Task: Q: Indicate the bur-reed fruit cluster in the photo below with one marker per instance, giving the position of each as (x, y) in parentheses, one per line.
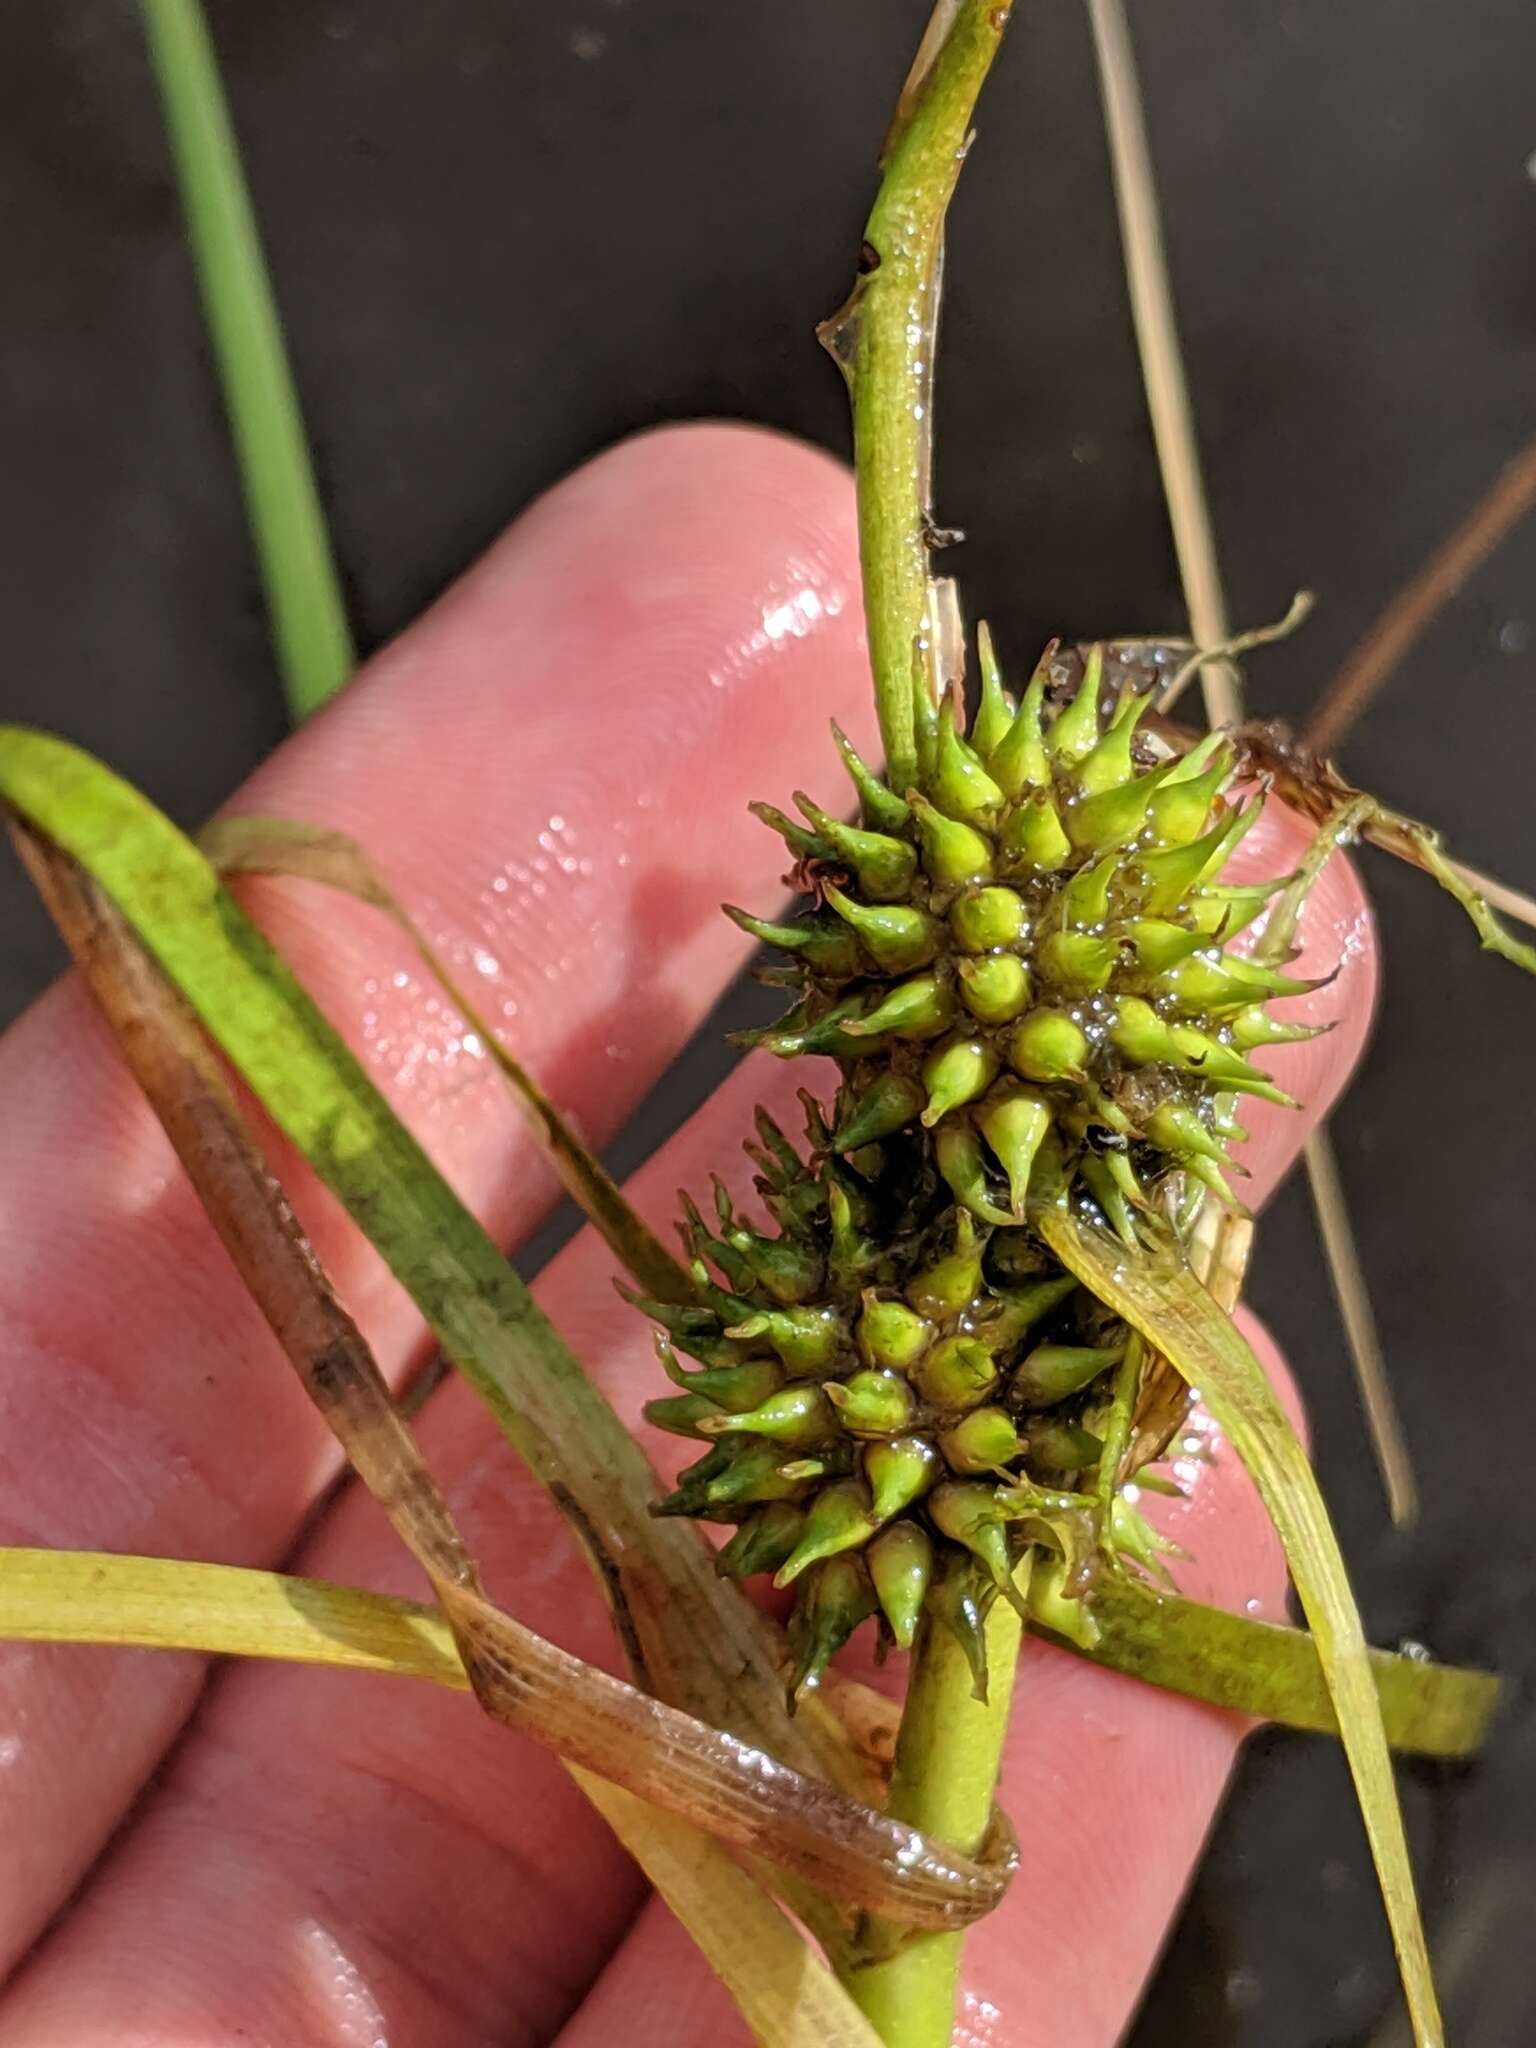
(1023, 968)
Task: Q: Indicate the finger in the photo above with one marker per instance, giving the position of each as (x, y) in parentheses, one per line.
(286, 1774)
(552, 768)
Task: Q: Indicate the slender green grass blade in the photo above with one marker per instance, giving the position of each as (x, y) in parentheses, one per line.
(309, 621)
(279, 846)
(1162, 1299)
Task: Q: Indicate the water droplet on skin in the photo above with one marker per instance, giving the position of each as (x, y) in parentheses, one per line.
(10, 1751)
(978, 2023)
(343, 1993)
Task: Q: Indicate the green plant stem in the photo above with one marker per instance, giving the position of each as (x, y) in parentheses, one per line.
(883, 339)
(309, 621)
(948, 1756)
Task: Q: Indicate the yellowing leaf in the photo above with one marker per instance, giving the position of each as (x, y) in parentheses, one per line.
(1162, 1299)
(786, 1993)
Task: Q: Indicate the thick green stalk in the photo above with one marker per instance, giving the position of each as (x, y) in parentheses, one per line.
(309, 621)
(947, 1760)
(884, 341)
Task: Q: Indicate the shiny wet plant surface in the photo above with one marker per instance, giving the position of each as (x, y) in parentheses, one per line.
(1359, 324)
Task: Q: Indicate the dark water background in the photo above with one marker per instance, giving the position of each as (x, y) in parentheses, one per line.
(505, 235)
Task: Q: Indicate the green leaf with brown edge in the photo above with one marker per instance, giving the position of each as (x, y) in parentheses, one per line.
(312, 853)
(705, 1648)
(1160, 1297)
(1273, 1672)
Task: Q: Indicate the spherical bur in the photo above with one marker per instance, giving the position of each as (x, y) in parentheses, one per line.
(952, 852)
(949, 1285)
(958, 1072)
(958, 784)
(1074, 732)
(985, 918)
(958, 1155)
(835, 1597)
(762, 1541)
(996, 988)
(900, 1471)
(900, 1563)
(1014, 1121)
(897, 937)
(1054, 1372)
(884, 865)
(916, 1009)
(956, 1373)
(1076, 963)
(892, 1336)
(1048, 1045)
(983, 1441)
(873, 1403)
(889, 1103)
(838, 1519)
(798, 1416)
(1034, 837)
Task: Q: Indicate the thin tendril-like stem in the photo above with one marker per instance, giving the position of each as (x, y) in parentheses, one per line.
(1513, 902)
(1412, 610)
(1157, 335)
(1359, 1318)
(303, 593)
(883, 340)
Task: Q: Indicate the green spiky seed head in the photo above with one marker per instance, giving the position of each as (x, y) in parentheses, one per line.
(1020, 966)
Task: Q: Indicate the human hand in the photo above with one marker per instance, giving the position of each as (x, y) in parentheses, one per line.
(552, 768)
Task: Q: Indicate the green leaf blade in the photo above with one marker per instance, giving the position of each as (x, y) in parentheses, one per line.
(303, 592)
(1164, 1301)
